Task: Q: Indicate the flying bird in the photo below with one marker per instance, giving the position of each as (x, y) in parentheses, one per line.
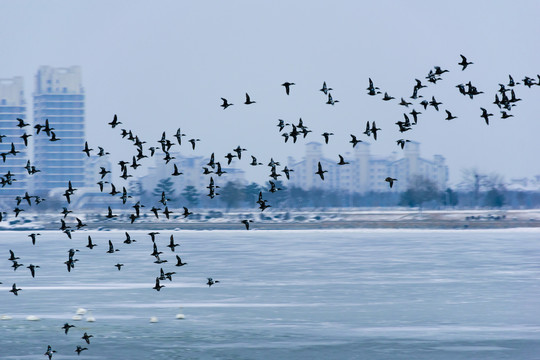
(287, 86)
(246, 223)
(450, 116)
(485, 115)
(225, 104)
(342, 161)
(320, 171)
(464, 63)
(390, 181)
(248, 100)
(115, 122)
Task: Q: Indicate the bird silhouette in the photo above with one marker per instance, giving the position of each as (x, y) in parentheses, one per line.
(246, 223)
(287, 172)
(21, 123)
(387, 97)
(450, 116)
(167, 212)
(342, 161)
(179, 261)
(86, 149)
(287, 86)
(331, 101)
(111, 250)
(33, 268)
(325, 89)
(80, 349)
(464, 63)
(90, 245)
(326, 136)
(87, 337)
(33, 237)
(172, 245)
(390, 181)
(49, 352)
(158, 286)
(485, 115)
(320, 171)
(192, 142)
(401, 142)
(354, 141)
(374, 130)
(66, 327)
(176, 172)
(15, 290)
(115, 122)
(248, 100)
(225, 104)
(404, 103)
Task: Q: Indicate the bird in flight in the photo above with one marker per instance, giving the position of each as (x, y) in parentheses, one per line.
(115, 122)
(320, 171)
(287, 86)
(342, 161)
(246, 223)
(390, 181)
(248, 100)
(225, 104)
(485, 115)
(325, 89)
(464, 63)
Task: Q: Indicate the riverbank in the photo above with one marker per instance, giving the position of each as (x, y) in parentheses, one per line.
(292, 220)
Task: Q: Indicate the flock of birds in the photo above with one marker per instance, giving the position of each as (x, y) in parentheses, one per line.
(505, 99)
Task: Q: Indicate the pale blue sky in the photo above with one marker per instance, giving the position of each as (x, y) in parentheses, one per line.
(164, 64)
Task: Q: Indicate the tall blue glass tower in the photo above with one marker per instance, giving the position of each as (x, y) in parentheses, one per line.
(12, 106)
(59, 97)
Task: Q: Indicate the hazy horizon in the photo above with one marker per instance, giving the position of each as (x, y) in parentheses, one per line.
(166, 65)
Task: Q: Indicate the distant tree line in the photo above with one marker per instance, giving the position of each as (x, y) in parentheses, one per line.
(475, 191)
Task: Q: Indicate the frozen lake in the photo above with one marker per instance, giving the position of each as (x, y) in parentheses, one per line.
(314, 294)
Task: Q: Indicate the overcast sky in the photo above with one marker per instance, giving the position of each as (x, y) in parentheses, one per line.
(161, 65)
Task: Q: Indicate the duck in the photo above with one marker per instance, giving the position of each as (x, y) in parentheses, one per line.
(33, 268)
(450, 116)
(225, 104)
(354, 141)
(15, 290)
(66, 327)
(325, 89)
(86, 337)
(248, 100)
(158, 286)
(390, 181)
(90, 245)
(114, 123)
(179, 261)
(464, 63)
(246, 223)
(172, 245)
(342, 161)
(320, 171)
(287, 86)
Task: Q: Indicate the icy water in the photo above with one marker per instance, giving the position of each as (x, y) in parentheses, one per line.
(356, 294)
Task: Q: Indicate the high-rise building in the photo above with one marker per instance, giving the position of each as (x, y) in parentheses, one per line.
(366, 172)
(59, 97)
(12, 106)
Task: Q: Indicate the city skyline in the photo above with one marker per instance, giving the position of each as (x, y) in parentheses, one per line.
(140, 66)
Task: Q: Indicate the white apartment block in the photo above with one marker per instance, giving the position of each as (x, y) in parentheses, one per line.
(366, 172)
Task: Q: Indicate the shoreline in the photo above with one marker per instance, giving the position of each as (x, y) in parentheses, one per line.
(295, 220)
